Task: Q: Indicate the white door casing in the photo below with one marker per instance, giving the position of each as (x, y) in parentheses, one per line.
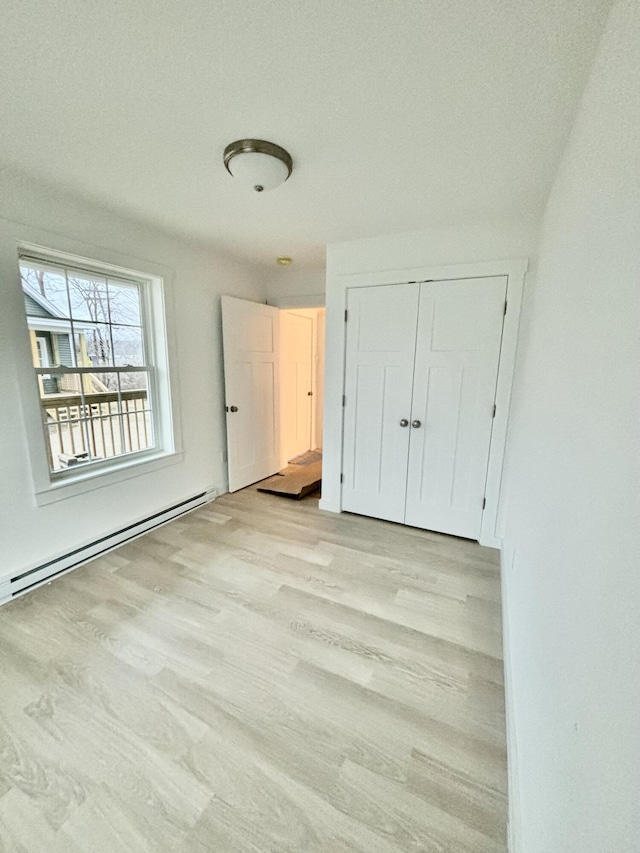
(251, 373)
(381, 336)
(319, 360)
(454, 388)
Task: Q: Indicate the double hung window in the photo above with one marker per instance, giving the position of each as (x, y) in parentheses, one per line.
(92, 346)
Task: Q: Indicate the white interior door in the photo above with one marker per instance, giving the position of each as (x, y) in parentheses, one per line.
(456, 369)
(296, 383)
(251, 368)
(381, 339)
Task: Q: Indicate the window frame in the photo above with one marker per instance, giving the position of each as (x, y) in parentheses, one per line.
(50, 486)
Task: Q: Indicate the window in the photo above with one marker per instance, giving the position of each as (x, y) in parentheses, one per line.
(92, 344)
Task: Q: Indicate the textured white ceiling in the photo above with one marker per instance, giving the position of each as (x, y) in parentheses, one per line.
(399, 114)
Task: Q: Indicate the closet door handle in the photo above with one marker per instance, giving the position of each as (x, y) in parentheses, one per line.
(404, 422)
(416, 424)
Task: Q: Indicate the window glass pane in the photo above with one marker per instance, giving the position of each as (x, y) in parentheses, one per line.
(45, 291)
(88, 297)
(66, 384)
(93, 345)
(61, 349)
(103, 413)
(137, 381)
(135, 386)
(41, 349)
(124, 301)
(135, 403)
(128, 347)
(134, 392)
(102, 382)
(62, 413)
(87, 418)
(59, 384)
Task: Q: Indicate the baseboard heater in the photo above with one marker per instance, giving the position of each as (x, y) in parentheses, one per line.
(45, 572)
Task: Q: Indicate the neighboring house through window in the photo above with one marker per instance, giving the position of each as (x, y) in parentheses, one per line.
(43, 351)
(92, 343)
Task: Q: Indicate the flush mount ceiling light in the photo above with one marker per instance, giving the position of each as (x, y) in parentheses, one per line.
(257, 163)
(283, 262)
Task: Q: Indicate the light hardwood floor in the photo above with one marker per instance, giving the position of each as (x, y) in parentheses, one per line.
(258, 676)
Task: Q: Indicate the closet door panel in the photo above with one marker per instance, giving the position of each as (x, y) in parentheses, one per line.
(381, 335)
(456, 368)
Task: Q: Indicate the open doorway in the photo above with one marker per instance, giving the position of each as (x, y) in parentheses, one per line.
(301, 386)
(301, 382)
(274, 388)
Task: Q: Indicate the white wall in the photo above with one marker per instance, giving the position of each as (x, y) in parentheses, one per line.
(196, 278)
(290, 287)
(418, 249)
(572, 546)
(461, 244)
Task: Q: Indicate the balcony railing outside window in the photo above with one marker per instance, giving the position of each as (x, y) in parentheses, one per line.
(87, 427)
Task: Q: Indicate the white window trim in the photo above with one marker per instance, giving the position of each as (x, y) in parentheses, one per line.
(123, 468)
(50, 487)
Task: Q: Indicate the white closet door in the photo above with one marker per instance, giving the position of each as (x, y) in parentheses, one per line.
(381, 337)
(251, 364)
(456, 369)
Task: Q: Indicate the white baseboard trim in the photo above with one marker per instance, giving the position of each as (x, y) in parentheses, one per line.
(28, 579)
(329, 506)
(491, 542)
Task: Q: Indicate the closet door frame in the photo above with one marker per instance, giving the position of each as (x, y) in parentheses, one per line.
(337, 292)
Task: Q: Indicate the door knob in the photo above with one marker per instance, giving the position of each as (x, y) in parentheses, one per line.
(309, 393)
(233, 409)
(404, 422)
(416, 424)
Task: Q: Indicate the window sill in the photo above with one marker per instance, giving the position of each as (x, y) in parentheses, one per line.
(87, 481)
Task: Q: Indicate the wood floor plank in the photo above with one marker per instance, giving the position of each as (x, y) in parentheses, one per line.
(258, 676)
